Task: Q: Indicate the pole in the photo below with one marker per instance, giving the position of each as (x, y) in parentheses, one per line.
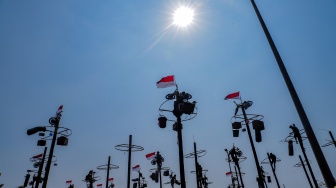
(304, 168)
(332, 138)
(241, 178)
(321, 161)
(40, 168)
(139, 179)
(51, 153)
(195, 151)
(160, 179)
(306, 158)
(237, 177)
(108, 171)
(273, 170)
(230, 167)
(260, 183)
(179, 138)
(129, 161)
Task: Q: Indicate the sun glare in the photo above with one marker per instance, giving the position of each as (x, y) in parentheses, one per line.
(183, 16)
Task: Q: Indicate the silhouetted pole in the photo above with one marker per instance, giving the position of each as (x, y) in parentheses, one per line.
(304, 168)
(324, 167)
(332, 138)
(229, 161)
(260, 183)
(180, 145)
(39, 173)
(237, 177)
(273, 170)
(129, 161)
(51, 153)
(108, 171)
(160, 179)
(195, 151)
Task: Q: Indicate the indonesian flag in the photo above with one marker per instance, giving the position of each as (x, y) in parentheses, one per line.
(68, 181)
(37, 156)
(110, 179)
(233, 96)
(228, 173)
(150, 156)
(58, 112)
(136, 168)
(167, 81)
(99, 185)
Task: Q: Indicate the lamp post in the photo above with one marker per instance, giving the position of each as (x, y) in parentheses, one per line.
(181, 106)
(321, 161)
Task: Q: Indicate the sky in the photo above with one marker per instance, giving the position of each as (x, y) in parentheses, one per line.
(101, 61)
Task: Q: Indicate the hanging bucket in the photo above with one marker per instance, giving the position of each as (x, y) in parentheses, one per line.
(235, 132)
(162, 122)
(236, 125)
(258, 125)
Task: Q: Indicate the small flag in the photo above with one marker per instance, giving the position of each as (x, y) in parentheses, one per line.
(232, 96)
(68, 182)
(228, 173)
(167, 81)
(150, 156)
(37, 156)
(136, 168)
(110, 179)
(99, 185)
(59, 111)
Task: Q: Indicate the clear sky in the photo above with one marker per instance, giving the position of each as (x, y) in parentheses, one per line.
(101, 60)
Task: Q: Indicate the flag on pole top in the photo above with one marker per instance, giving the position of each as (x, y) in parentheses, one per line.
(68, 181)
(136, 168)
(233, 96)
(228, 173)
(110, 179)
(150, 156)
(167, 81)
(37, 156)
(59, 111)
(99, 185)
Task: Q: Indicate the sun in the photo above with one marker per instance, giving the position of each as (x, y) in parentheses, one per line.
(183, 16)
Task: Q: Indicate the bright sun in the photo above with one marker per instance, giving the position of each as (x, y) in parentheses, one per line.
(183, 16)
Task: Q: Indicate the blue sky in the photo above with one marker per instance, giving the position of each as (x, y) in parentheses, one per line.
(101, 60)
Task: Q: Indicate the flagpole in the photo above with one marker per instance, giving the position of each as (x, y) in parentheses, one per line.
(321, 161)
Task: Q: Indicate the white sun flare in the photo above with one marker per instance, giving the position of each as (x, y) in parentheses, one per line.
(183, 16)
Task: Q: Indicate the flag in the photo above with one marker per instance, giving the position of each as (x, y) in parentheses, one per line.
(150, 156)
(68, 181)
(37, 156)
(110, 179)
(233, 96)
(136, 168)
(167, 81)
(228, 173)
(99, 185)
(58, 112)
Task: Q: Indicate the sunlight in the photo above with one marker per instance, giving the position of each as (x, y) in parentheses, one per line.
(183, 16)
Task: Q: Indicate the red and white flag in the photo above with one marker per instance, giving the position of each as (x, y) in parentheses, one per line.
(110, 179)
(136, 168)
(99, 185)
(228, 173)
(68, 182)
(167, 81)
(59, 111)
(37, 156)
(150, 156)
(233, 96)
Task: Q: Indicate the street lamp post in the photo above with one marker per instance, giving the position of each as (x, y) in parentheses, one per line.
(321, 161)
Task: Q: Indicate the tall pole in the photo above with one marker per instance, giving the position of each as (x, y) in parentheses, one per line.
(304, 168)
(260, 183)
(160, 179)
(273, 170)
(40, 168)
(332, 138)
(129, 161)
(324, 167)
(195, 151)
(51, 153)
(309, 167)
(108, 171)
(237, 177)
(229, 161)
(179, 138)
